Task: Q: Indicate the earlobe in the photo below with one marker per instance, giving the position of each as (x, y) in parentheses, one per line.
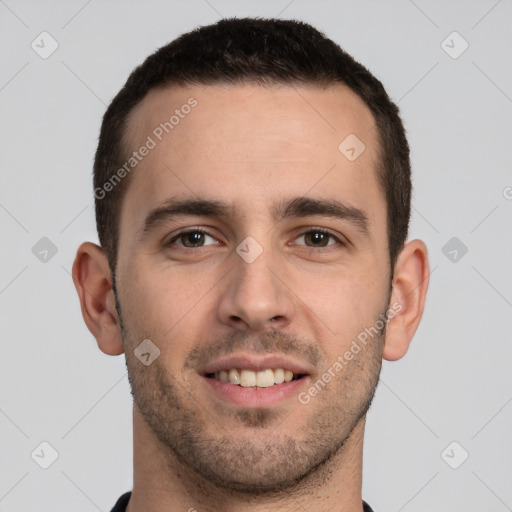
(93, 282)
(410, 284)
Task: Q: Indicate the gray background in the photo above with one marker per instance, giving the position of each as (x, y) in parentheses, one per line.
(455, 382)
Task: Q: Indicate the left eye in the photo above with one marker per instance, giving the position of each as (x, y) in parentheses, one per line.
(317, 238)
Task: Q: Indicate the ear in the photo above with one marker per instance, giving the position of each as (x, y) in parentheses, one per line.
(410, 284)
(93, 282)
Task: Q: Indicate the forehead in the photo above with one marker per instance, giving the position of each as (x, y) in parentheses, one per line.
(247, 112)
(251, 145)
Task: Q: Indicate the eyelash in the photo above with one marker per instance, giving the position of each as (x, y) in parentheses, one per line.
(310, 230)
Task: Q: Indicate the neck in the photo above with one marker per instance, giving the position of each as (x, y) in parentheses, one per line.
(163, 482)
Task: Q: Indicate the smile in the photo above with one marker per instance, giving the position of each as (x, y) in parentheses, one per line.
(254, 379)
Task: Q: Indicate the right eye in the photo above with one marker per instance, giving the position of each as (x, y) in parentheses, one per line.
(192, 238)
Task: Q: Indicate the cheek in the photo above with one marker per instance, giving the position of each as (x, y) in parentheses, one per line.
(344, 304)
(163, 304)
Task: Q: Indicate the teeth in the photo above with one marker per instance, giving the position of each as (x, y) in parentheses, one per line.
(249, 378)
(279, 376)
(234, 376)
(265, 379)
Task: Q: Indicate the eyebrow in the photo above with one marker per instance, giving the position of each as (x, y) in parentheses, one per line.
(293, 208)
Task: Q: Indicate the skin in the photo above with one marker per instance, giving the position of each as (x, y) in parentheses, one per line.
(252, 147)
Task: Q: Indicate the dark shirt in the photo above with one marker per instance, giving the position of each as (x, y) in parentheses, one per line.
(122, 502)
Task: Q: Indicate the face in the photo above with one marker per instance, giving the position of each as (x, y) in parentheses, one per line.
(250, 244)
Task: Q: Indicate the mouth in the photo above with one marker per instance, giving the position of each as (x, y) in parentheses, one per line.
(255, 381)
(247, 378)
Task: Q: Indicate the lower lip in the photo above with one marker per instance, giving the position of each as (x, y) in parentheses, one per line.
(256, 397)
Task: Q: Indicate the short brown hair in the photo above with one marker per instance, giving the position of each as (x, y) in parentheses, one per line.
(265, 51)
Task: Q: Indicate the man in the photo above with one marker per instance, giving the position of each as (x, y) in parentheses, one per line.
(252, 187)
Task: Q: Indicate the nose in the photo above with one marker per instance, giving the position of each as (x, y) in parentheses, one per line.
(256, 296)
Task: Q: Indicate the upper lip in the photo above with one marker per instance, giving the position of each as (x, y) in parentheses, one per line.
(256, 363)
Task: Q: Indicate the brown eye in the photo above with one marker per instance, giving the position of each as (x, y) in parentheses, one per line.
(318, 238)
(192, 239)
